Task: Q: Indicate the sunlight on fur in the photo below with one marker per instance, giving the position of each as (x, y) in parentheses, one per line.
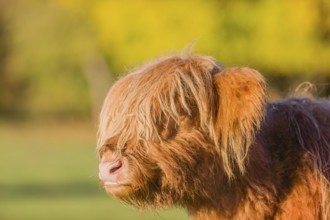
(185, 131)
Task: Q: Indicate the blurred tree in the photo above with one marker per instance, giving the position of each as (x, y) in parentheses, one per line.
(133, 31)
(47, 46)
(56, 54)
(3, 56)
(323, 21)
(276, 36)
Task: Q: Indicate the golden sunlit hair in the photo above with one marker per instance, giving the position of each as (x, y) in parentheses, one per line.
(228, 104)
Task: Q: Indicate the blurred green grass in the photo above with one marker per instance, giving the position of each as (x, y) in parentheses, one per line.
(49, 171)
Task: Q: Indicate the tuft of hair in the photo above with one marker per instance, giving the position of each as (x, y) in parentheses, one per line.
(227, 105)
(164, 89)
(305, 89)
(325, 196)
(240, 112)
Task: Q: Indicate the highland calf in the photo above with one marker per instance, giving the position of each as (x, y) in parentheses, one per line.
(185, 131)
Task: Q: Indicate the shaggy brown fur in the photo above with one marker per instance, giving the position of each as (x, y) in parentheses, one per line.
(188, 132)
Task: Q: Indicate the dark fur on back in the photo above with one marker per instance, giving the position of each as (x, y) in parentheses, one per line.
(287, 170)
(294, 140)
(300, 128)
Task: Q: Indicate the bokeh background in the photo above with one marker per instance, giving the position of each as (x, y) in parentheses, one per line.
(58, 58)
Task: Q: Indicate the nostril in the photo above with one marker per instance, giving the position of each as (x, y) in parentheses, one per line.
(108, 170)
(116, 166)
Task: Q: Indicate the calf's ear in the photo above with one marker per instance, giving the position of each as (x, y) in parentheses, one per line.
(240, 110)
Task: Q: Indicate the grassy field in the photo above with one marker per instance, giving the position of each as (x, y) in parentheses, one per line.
(49, 171)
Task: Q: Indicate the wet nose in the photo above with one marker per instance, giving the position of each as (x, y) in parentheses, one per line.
(107, 170)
